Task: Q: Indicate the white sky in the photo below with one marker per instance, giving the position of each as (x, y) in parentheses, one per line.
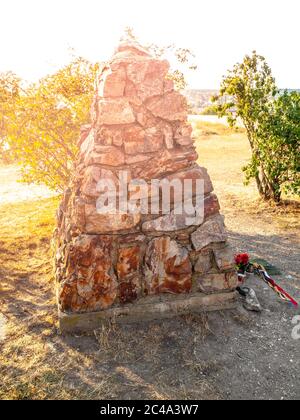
(36, 35)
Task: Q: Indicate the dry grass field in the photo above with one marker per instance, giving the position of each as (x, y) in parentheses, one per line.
(186, 358)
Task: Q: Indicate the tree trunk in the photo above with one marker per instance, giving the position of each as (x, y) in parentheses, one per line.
(259, 186)
(267, 189)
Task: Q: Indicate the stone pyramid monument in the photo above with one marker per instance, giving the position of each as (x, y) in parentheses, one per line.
(136, 265)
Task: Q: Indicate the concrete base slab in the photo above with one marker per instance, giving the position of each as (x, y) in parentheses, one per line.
(148, 309)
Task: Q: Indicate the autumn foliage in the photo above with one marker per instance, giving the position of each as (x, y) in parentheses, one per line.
(40, 123)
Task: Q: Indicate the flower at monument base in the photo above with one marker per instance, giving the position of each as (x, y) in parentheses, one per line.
(242, 261)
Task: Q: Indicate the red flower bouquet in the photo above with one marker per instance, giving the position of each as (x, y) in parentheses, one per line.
(242, 261)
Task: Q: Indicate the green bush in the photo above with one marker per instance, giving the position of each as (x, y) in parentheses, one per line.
(272, 122)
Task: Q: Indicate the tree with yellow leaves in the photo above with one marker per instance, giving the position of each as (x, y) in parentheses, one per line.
(41, 123)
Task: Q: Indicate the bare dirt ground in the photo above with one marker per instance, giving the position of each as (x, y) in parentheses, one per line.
(228, 355)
